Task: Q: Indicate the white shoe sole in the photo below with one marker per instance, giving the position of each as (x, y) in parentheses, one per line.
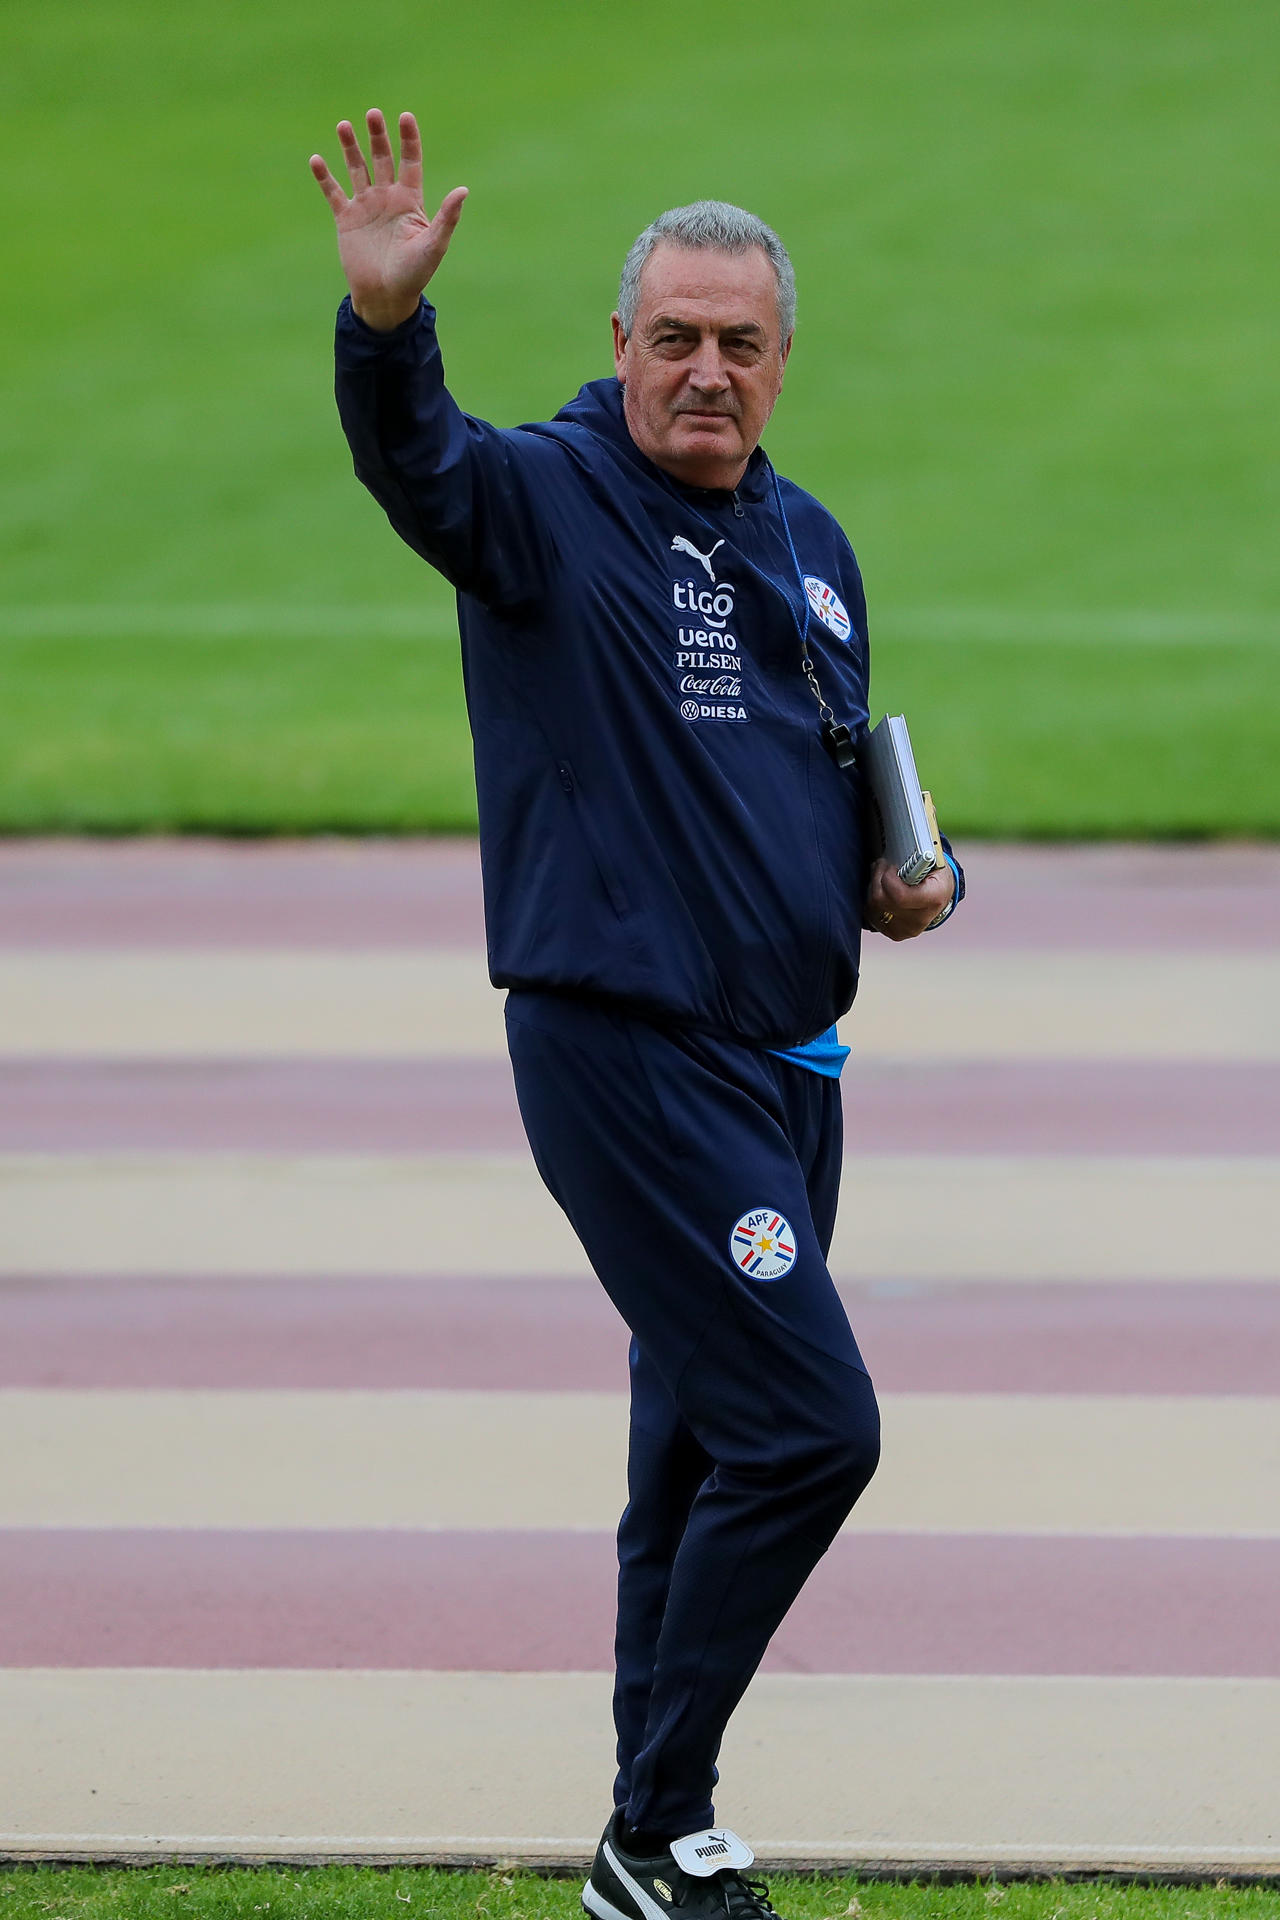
(595, 1903)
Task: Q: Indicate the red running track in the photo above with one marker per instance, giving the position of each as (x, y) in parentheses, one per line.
(563, 1335)
(65, 1106)
(524, 1601)
(373, 893)
(539, 1602)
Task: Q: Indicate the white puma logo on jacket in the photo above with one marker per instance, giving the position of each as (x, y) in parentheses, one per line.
(680, 545)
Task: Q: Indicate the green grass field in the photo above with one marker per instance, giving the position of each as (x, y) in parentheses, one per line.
(1036, 376)
(352, 1893)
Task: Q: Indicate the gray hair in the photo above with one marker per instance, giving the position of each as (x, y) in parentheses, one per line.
(709, 223)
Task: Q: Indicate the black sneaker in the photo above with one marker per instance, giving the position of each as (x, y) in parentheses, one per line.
(698, 1878)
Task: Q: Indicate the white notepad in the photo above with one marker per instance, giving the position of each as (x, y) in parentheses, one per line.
(906, 837)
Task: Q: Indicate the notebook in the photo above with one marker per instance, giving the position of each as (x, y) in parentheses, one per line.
(903, 813)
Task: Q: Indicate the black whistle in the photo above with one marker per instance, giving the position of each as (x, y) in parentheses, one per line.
(838, 741)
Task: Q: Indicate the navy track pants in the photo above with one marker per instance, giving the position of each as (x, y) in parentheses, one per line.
(754, 1426)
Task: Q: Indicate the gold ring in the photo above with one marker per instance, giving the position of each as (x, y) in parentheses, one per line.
(888, 916)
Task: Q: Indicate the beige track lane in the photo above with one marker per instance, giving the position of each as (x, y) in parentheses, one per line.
(152, 1003)
(952, 1462)
(184, 1003)
(997, 1217)
(1078, 1771)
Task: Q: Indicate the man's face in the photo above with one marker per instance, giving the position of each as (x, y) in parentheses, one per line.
(704, 363)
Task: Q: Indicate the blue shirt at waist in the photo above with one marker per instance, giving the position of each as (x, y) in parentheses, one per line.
(825, 1055)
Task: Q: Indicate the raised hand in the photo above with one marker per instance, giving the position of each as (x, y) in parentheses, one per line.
(388, 247)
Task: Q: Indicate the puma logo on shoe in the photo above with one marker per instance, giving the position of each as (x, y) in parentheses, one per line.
(710, 1851)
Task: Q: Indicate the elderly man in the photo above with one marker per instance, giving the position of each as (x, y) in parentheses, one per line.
(665, 653)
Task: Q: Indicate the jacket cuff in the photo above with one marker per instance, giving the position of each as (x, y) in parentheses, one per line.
(359, 345)
(957, 893)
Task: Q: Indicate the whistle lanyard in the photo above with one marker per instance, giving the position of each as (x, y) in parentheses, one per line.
(837, 738)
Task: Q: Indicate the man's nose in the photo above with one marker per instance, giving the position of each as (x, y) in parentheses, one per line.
(707, 370)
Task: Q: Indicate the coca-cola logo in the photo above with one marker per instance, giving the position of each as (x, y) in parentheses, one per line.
(721, 686)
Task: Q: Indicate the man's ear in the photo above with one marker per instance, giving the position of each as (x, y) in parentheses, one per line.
(619, 350)
(786, 352)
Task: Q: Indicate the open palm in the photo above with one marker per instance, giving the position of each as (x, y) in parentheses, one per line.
(388, 247)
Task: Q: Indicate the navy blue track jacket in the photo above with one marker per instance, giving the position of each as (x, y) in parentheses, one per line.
(661, 827)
